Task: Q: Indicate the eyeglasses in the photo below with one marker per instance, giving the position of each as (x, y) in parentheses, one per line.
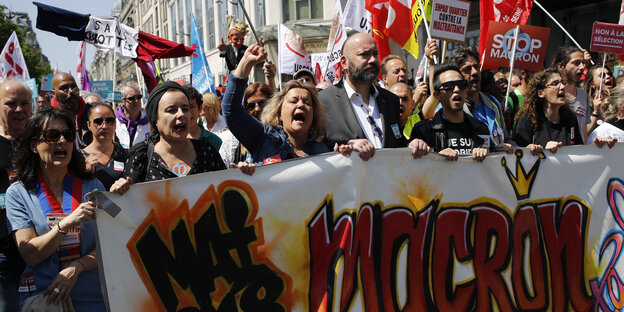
(376, 129)
(109, 121)
(134, 98)
(251, 105)
(449, 86)
(54, 135)
(555, 84)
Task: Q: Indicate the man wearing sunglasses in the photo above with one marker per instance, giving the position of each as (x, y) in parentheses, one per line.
(359, 113)
(67, 98)
(451, 132)
(15, 109)
(132, 122)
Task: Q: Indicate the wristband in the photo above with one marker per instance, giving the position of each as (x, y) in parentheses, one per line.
(596, 115)
(58, 228)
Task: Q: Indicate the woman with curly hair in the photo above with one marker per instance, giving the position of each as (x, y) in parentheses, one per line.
(46, 214)
(544, 120)
(591, 85)
(613, 109)
(293, 118)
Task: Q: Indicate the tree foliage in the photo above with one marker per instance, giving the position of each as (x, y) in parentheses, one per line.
(37, 67)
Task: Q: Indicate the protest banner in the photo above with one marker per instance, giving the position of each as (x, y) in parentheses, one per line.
(531, 48)
(113, 96)
(12, 63)
(319, 63)
(107, 33)
(607, 38)
(102, 87)
(291, 51)
(202, 78)
(393, 233)
(46, 82)
(449, 20)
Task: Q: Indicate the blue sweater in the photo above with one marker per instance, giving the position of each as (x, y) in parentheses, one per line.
(261, 140)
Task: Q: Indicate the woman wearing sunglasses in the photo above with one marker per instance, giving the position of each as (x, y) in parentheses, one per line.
(545, 120)
(293, 118)
(46, 214)
(103, 156)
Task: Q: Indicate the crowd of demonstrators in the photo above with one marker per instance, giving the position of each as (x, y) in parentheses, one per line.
(104, 157)
(255, 99)
(132, 122)
(51, 181)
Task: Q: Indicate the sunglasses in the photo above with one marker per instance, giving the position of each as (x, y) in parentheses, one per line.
(134, 98)
(449, 86)
(251, 105)
(109, 121)
(54, 135)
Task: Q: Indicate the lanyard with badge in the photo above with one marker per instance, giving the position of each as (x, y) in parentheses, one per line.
(70, 246)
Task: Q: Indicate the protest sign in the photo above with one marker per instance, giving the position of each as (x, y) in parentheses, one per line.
(46, 82)
(32, 85)
(607, 38)
(102, 87)
(202, 78)
(530, 51)
(319, 63)
(108, 33)
(331, 233)
(291, 51)
(113, 96)
(449, 20)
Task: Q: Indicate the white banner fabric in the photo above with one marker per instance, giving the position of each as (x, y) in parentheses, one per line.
(12, 63)
(107, 33)
(394, 233)
(291, 58)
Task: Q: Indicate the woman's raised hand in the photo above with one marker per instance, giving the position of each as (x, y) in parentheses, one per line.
(253, 55)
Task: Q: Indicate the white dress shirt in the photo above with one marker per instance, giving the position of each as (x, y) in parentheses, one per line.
(357, 103)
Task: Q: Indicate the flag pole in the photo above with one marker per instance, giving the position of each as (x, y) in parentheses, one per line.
(253, 29)
(564, 30)
(511, 65)
(604, 60)
(444, 43)
(422, 11)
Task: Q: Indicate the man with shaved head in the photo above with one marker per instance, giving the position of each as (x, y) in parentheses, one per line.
(408, 117)
(67, 97)
(15, 109)
(359, 113)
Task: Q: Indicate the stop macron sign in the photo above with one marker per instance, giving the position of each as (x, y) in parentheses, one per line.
(530, 51)
(607, 38)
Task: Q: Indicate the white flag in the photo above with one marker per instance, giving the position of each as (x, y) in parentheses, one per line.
(291, 51)
(334, 48)
(356, 16)
(12, 63)
(107, 33)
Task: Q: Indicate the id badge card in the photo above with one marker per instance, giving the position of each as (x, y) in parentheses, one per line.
(27, 283)
(70, 246)
(118, 165)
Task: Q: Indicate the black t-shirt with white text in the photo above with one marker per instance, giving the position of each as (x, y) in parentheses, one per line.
(459, 136)
(567, 132)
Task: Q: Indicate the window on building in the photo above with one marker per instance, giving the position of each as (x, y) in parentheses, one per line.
(198, 17)
(302, 9)
(260, 20)
(210, 24)
(181, 30)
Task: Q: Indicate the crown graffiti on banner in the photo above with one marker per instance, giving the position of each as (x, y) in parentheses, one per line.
(238, 25)
(522, 182)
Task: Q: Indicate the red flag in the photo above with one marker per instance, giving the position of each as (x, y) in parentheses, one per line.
(152, 47)
(379, 12)
(508, 11)
(399, 26)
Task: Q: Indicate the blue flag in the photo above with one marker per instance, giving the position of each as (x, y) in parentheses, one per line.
(202, 77)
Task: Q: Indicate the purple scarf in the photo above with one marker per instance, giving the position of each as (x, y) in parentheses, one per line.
(130, 124)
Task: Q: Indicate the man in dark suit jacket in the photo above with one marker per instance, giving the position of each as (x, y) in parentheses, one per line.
(234, 51)
(360, 114)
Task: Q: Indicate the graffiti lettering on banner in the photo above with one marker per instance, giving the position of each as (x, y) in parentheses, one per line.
(607, 38)
(449, 20)
(530, 50)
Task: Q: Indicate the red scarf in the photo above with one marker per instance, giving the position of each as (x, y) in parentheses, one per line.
(77, 120)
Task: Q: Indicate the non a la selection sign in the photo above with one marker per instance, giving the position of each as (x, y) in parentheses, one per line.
(530, 50)
(607, 38)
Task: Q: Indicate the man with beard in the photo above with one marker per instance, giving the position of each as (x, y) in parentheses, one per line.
(478, 103)
(451, 131)
(359, 113)
(393, 70)
(571, 63)
(67, 97)
(14, 113)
